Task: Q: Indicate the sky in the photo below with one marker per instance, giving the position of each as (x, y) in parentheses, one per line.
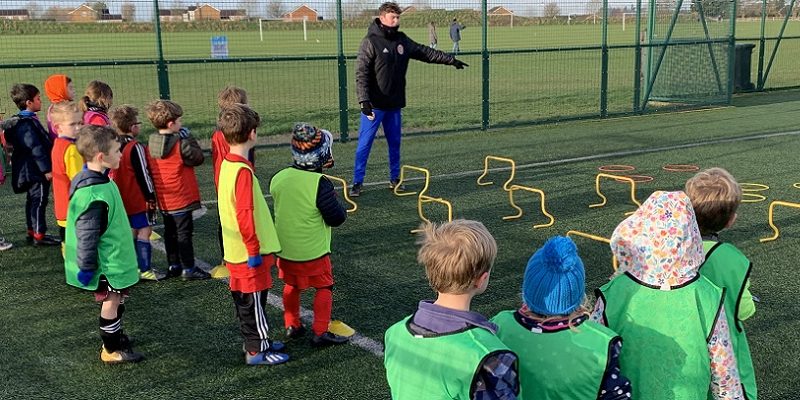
(144, 7)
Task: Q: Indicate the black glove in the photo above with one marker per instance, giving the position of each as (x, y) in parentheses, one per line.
(459, 64)
(366, 109)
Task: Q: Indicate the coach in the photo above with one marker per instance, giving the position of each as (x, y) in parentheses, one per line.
(381, 87)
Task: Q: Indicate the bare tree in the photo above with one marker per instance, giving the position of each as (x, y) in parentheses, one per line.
(99, 6)
(251, 7)
(34, 10)
(551, 10)
(128, 11)
(275, 8)
(593, 7)
(422, 4)
(55, 13)
(354, 8)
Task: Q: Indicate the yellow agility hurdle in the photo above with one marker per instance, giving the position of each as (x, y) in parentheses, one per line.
(344, 190)
(614, 263)
(770, 218)
(486, 171)
(422, 196)
(514, 188)
(399, 192)
(617, 178)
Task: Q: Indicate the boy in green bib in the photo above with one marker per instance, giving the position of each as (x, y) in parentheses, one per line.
(99, 253)
(563, 355)
(715, 196)
(672, 319)
(444, 350)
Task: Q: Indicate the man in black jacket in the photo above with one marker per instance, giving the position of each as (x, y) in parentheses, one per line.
(381, 87)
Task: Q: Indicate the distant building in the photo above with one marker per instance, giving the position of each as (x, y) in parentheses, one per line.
(19, 15)
(170, 15)
(233, 15)
(500, 10)
(203, 12)
(301, 13)
(85, 13)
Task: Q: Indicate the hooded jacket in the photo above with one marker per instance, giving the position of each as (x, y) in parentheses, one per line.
(30, 160)
(172, 160)
(382, 64)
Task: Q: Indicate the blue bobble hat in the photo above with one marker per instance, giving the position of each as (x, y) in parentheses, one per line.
(311, 147)
(554, 278)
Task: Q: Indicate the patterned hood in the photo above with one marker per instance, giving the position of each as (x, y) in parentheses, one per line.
(660, 243)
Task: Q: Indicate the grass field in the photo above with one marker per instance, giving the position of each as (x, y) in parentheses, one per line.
(189, 333)
(523, 87)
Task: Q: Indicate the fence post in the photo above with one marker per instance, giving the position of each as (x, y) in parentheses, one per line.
(637, 63)
(344, 135)
(761, 44)
(731, 50)
(161, 66)
(604, 64)
(485, 66)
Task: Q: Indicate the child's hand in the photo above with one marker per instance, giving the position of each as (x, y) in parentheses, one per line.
(254, 261)
(49, 176)
(85, 276)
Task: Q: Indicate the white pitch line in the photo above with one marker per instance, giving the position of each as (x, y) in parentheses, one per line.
(306, 315)
(588, 158)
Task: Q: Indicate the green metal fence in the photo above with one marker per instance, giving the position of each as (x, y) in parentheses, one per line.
(530, 61)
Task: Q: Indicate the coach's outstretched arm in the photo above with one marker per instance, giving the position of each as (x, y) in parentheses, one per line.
(432, 56)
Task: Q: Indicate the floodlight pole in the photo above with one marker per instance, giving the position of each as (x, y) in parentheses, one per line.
(604, 64)
(637, 63)
(161, 66)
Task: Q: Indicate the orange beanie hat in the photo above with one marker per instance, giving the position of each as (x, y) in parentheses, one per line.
(55, 87)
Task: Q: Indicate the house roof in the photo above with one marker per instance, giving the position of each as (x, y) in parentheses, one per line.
(232, 13)
(86, 6)
(300, 8)
(499, 8)
(111, 17)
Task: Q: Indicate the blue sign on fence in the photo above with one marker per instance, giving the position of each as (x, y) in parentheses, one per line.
(219, 47)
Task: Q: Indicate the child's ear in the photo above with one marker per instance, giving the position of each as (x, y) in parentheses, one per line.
(170, 124)
(252, 135)
(482, 280)
(731, 221)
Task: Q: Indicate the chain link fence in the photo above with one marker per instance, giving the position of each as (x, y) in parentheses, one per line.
(530, 61)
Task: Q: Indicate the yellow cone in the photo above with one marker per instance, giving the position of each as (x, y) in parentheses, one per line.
(340, 328)
(220, 272)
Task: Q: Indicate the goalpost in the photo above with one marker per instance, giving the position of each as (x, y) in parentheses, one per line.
(261, 27)
(624, 16)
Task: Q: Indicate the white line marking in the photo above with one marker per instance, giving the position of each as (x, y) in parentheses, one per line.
(588, 158)
(306, 315)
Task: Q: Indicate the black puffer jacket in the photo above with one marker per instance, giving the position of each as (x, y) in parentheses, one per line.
(30, 159)
(382, 64)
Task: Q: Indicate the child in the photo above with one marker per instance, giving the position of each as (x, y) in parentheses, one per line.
(229, 96)
(173, 155)
(583, 358)
(4, 244)
(444, 349)
(66, 118)
(31, 169)
(136, 188)
(249, 236)
(96, 102)
(58, 88)
(672, 319)
(306, 207)
(715, 196)
(100, 255)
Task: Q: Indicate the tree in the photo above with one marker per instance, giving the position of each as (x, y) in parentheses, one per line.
(128, 11)
(275, 9)
(34, 10)
(593, 7)
(712, 8)
(99, 6)
(551, 10)
(251, 7)
(354, 8)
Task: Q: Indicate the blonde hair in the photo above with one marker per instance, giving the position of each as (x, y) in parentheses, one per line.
(99, 94)
(123, 117)
(162, 112)
(62, 110)
(231, 95)
(715, 197)
(455, 254)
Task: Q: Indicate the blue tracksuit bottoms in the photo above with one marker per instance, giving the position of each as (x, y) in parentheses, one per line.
(392, 121)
